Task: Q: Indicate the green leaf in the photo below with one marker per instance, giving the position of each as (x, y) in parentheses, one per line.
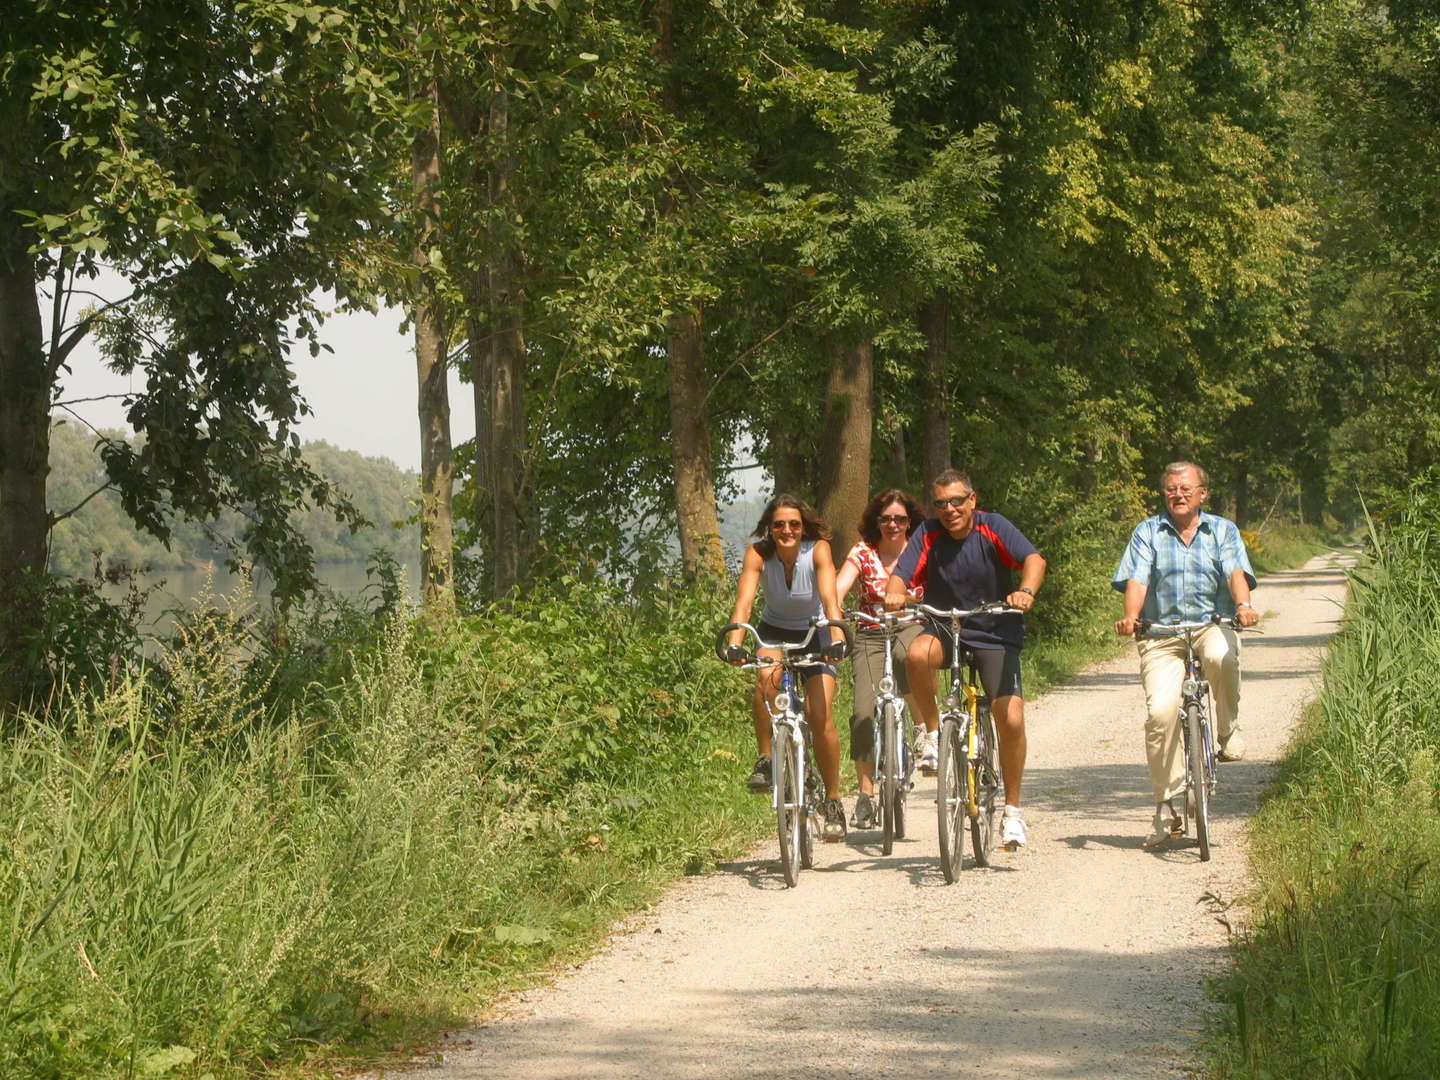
(514, 934)
(160, 1062)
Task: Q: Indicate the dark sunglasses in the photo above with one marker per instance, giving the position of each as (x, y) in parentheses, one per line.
(893, 519)
(955, 501)
(787, 526)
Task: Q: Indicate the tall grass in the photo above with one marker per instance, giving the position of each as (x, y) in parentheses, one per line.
(1338, 974)
(195, 879)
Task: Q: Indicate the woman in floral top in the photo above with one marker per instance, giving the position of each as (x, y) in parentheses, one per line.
(885, 526)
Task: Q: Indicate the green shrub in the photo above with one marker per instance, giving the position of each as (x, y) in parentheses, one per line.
(204, 877)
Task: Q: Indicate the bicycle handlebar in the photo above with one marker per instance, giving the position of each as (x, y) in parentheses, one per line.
(1144, 628)
(786, 648)
(887, 620)
(992, 607)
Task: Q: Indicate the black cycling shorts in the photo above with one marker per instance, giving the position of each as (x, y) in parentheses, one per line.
(778, 635)
(999, 667)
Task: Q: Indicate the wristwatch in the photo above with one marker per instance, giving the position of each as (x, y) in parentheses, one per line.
(1026, 590)
(1244, 603)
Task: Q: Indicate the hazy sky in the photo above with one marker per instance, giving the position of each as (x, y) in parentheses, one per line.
(363, 394)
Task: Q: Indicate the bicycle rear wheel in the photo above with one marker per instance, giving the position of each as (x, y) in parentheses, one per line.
(950, 799)
(887, 760)
(1197, 798)
(985, 826)
(790, 808)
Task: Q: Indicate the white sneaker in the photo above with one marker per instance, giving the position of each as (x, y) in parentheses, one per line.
(1012, 828)
(930, 752)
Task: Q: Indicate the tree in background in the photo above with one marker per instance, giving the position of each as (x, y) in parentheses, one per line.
(220, 157)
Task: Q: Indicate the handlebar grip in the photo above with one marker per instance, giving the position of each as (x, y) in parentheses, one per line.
(849, 635)
(721, 643)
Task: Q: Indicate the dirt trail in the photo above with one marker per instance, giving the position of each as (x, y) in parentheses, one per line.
(1081, 956)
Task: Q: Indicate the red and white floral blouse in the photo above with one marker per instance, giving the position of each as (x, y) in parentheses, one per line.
(873, 578)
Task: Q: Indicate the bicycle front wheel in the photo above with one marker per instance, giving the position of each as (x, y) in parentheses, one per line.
(814, 796)
(887, 758)
(985, 825)
(950, 799)
(1198, 797)
(789, 808)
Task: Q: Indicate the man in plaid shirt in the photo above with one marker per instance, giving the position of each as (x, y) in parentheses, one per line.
(1183, 565)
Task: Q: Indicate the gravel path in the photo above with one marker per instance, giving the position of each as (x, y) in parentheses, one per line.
(1080, 956)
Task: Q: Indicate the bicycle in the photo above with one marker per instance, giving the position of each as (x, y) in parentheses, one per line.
(1201, 763)
(968, 780)
(795, 788)
(894, 756)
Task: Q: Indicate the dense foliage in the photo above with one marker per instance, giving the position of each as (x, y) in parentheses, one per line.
(1338, 973)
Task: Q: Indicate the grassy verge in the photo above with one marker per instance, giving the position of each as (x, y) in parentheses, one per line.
(198, 881)
(1338, 973)
(1285, 545)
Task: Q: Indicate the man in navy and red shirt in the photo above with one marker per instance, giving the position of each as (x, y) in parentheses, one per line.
(965, 557)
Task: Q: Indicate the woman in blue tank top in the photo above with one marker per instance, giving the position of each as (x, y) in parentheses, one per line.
(792, 560)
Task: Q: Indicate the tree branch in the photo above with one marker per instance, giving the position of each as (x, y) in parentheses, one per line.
(55, 519)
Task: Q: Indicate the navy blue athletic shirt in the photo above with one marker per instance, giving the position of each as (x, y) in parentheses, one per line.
(967, 573)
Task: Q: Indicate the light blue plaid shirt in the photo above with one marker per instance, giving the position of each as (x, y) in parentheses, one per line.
(1184, 583)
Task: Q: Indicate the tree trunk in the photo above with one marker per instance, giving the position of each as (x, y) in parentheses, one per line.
(24, 463)
(694, 467)
(437, 529)
(896, 462)
(700, 547)
(788, 466)
(1242, 495)
(507, 363)
(845, 440)
(935, 431)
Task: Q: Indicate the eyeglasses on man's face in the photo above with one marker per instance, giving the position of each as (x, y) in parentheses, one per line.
(1183, 492)
(955, 502)
(894, 519)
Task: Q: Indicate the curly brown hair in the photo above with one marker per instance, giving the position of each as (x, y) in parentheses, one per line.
(870, 516)
(814, 529)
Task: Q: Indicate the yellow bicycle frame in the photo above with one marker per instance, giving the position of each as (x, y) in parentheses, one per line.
(972, 706)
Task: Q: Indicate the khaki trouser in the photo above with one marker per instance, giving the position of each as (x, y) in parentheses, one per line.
(1162, 670)
(868, 663)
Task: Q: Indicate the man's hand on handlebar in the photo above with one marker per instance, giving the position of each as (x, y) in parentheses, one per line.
(835, 650)
(736, 654)
(1021, 599)
(1247, 615)
(1126, 627)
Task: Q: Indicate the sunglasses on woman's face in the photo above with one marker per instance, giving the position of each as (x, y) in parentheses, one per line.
(893, 519)
(786, 526)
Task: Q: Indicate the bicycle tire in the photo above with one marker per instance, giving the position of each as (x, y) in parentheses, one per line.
(985, 826)
(889, 770)
(810, 819)
(1198, 797)
(789, 810)
(950, 799)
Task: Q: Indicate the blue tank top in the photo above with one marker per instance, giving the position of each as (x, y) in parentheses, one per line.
(792, 606)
